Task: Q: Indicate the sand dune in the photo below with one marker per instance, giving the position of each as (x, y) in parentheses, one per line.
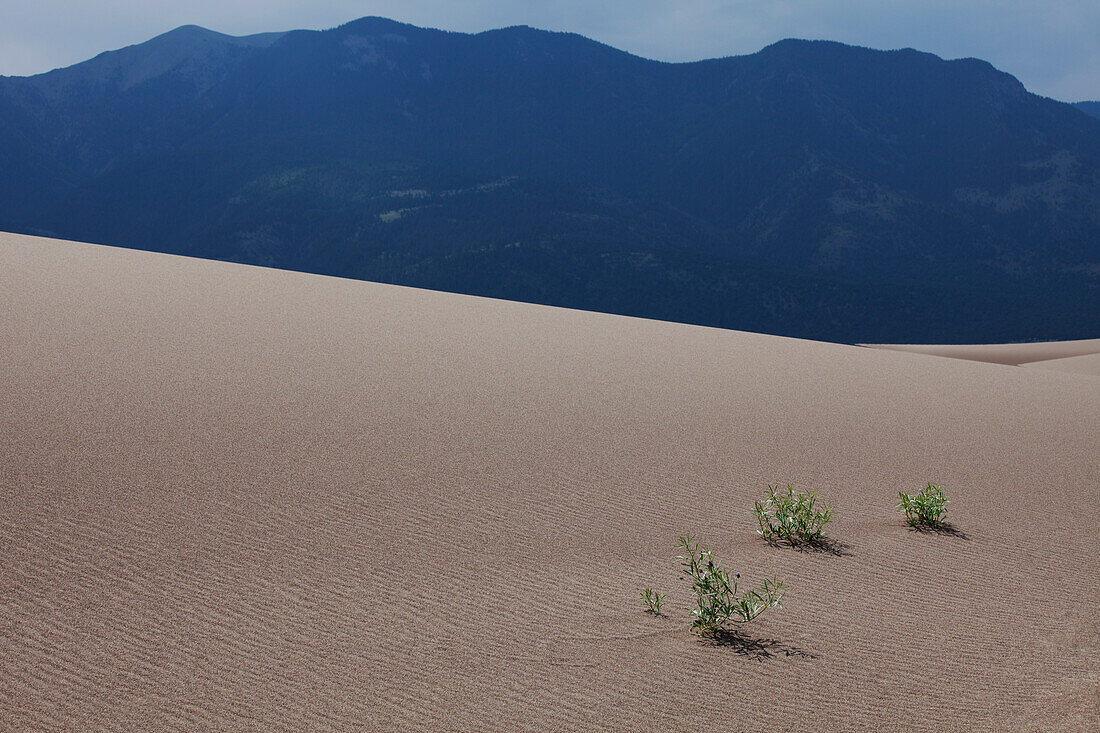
(1013, 354)
(1083, 364)
(239, 498)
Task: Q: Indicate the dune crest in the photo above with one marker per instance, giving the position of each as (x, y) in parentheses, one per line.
(1010, 354)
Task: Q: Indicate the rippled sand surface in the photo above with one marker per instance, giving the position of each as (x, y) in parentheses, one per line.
(241, 498)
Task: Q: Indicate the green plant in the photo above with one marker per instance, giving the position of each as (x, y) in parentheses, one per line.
(791, 516)
(928, 508)
(652, 599)
(716, 598)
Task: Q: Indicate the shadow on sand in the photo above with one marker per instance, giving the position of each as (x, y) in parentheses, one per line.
(824, 546)
(747, 646)
(945, 529)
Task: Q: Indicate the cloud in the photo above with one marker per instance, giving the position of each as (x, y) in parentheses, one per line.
(1053, 47)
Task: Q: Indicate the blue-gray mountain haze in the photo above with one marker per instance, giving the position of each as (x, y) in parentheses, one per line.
(810, 189)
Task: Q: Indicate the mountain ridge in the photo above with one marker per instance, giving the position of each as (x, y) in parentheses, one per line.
(126, 67)
(556, 169)
(1090, 108)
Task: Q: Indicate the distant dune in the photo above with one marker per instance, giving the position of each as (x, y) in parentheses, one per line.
(242, 498)
(1083, 364)
(1013, 354)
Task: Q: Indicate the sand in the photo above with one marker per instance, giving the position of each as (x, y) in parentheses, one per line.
(240, 498)
(1083, 364)
(1013, 354)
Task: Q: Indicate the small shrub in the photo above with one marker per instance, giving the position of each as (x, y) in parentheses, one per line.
(652, 599)
(717, 601)
(925, 509)
(791, 516)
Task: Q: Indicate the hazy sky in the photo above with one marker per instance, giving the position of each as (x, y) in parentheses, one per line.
(1053, 47)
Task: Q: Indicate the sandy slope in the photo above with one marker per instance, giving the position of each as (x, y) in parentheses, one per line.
(1013, 354)
(240, 498)
(1083, 364)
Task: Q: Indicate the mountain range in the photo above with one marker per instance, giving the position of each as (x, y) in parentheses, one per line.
(1089, 108)
(811, 189)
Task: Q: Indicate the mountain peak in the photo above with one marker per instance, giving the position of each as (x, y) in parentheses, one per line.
(189, 31)
(375, 25)
(188, 46)
(191, 34)
(801, 49)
